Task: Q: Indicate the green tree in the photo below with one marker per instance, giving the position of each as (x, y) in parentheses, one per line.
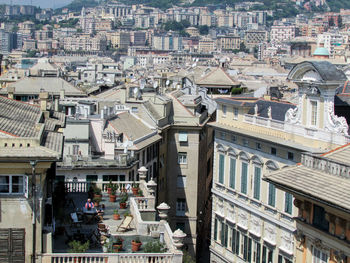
(340, 21)
(203, 30)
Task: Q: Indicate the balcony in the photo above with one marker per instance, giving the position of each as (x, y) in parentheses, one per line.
(143, 226)
(76, 161)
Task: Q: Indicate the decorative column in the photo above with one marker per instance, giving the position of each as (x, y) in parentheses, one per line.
(178, 238)
(163, 210)
(142, 174)
(151, 186)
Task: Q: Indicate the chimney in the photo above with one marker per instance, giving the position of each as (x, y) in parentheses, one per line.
(43, 96)
(11, 92)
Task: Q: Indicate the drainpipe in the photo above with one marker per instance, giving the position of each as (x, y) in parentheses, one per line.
(33, 164)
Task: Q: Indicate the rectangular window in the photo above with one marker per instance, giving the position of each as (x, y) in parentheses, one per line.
(283, 259)
(235, 113)
(243, 251)
(319, 218)
(233, 242)
(245, 142)
(232, 172)
(182, 159)
(222, 135)
(221, 168)
(255, 252)
(288, 203)
(258, 145)
(257, 180)
(181, 181)
(224, 110)
(267, 255)
(272, 195)
(180, 207)
(134, 110)
(244, 178)
(313, 113)
(216, 229)
(183, 136)
(290, 156)
(11, 184)
(273, 151)
(233, 138)
(318, 256)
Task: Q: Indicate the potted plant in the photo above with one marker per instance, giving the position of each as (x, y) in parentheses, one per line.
(140, 193)
(97, 191)
(112, 195)
(135, 188)
(109, 187)
(126, 214)
(136, 244)
(118, 244)
(123, 199)
(78, 247)
(106, 246)
(116, 215)
(154, 247)
(97, 201)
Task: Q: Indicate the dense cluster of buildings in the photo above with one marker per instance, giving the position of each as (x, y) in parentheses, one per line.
(244, 157)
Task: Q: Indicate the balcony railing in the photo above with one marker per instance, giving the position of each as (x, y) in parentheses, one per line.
(111, 258)
(120, 160)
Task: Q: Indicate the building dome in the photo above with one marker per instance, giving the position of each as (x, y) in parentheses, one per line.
(321, 51)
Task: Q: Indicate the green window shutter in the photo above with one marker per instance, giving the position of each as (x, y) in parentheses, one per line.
(258, 248)
(232, 172)
(249, 249)
(216, 229)
(245, 248)
(226, 235)
(233, 247)
(237, 242)
(244, 178)
(272, 195)
(288, 203)
(222, 236)
(221, 168)
(264, 255)
(257, 180)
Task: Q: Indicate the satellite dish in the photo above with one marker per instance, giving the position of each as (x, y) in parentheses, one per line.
(135, 91)
(155, 85)
(167, 82)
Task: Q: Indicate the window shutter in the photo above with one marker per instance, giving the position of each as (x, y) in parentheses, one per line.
(264, 255)
(232, 172)
(272, 195)
(245, 248)
(257, 179)
(258, 248)
(17, 245)
(233, 241)
(249, 249)
(237, 242)
(26, 187)
(4, 245)
(226, 235)
(221, 168)
(222, 236)
(288, 203)
(216, 229)
(244, 178)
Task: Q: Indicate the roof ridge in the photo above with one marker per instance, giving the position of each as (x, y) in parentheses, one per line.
(335, 149)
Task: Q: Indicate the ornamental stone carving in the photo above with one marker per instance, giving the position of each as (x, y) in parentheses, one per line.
(335, 123)
(293, 115)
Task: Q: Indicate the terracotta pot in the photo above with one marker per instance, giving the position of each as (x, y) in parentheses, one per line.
(135, 246)
(135, 191)
(109, 190)
(112, 198)
(116, 216)
(122, 205)
(117, 247)
(95, 196)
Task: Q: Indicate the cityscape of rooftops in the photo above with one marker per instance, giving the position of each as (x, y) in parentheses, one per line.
(209, 131)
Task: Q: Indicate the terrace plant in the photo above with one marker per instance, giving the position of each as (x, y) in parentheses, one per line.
(78, 247)
(123, 200)
(116, 215)
(135, 188)
(136, 244)
(154, 247)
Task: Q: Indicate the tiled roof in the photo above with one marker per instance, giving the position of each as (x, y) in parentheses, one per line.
(18, 119)
(340, 155)
(53, 141)
(53, 85)
(278, 109)
(217, 77)
(314, 183)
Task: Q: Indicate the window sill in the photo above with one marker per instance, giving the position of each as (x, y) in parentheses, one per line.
(256, 202)
(271, 209)
(243, 196)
